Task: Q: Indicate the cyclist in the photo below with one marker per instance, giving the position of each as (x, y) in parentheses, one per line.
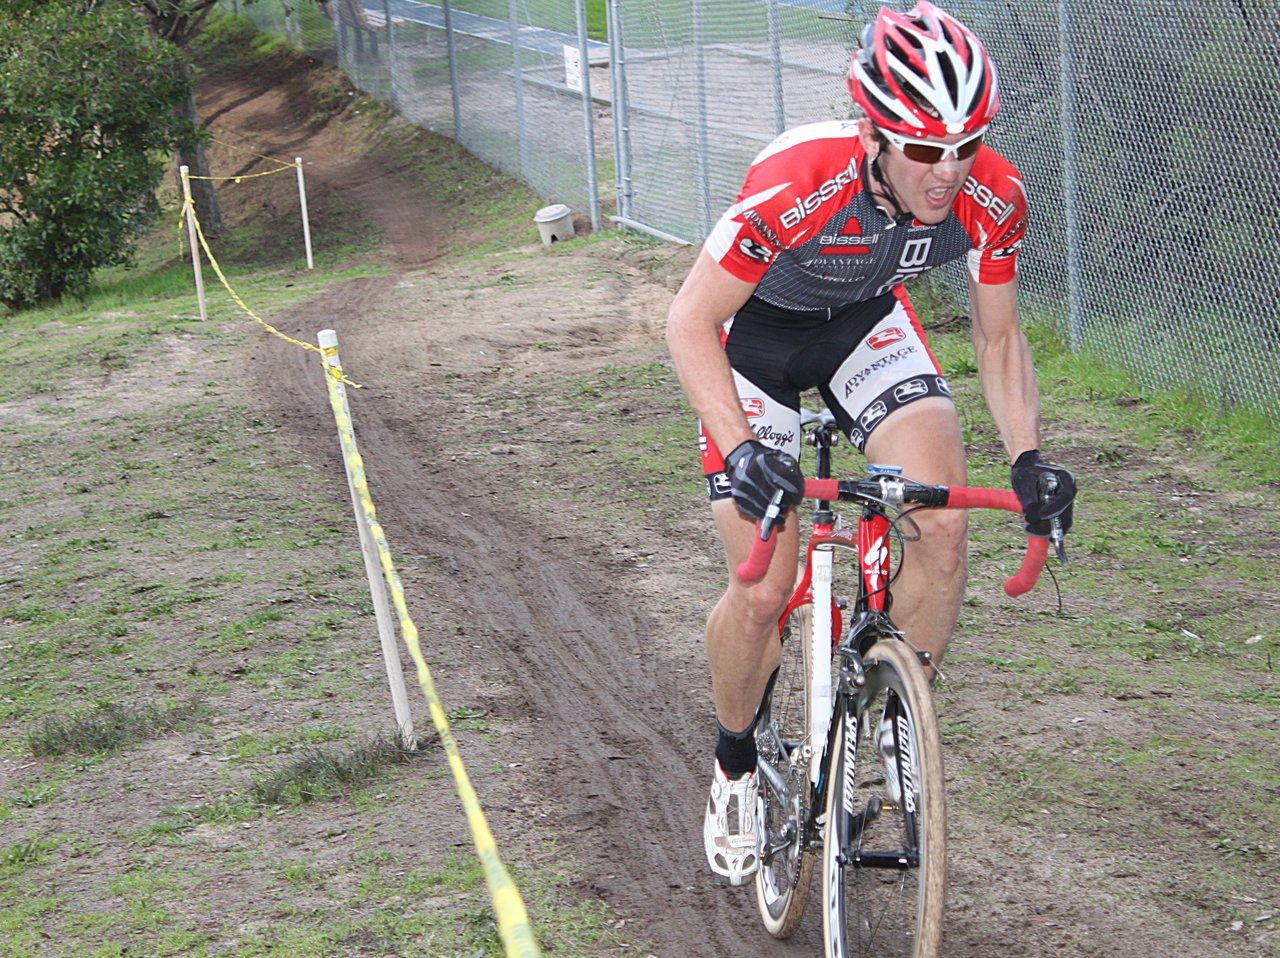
(798, 286)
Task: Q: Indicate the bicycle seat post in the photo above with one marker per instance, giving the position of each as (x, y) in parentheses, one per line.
(822, 438)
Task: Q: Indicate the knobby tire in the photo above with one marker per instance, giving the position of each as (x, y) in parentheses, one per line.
(866, 911)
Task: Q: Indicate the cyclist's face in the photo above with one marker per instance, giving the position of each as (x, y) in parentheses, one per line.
(928, 189)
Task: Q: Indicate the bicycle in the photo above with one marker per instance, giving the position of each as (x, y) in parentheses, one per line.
(848, 715)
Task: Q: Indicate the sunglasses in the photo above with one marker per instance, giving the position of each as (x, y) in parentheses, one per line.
(926, 151)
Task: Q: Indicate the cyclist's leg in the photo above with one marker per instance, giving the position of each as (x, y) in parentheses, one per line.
(743, 650)
(925, 440)
(900, 413)
(742, 630)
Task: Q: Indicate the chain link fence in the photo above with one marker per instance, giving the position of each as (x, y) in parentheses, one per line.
(511, 80)
(1146, 135)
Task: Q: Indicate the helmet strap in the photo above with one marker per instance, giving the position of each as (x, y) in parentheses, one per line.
(902, 216)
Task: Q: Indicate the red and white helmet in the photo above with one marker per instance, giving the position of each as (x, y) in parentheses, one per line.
(923, 74)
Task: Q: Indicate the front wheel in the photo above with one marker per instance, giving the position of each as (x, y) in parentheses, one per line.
(884, 857)
(782, 883)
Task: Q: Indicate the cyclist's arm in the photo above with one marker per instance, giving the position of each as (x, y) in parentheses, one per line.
(1004, 365)
(709, 296)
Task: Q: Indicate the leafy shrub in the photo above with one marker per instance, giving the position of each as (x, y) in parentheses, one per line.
(87, 99)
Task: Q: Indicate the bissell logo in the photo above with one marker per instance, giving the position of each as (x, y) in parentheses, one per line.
(886, 337)
(753, 407)
(848, 242)
(792, 216)
(985, 198)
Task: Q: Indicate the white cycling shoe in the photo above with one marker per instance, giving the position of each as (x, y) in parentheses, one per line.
(731, 829)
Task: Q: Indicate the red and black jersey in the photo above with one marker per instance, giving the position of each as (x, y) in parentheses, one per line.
(807, 232)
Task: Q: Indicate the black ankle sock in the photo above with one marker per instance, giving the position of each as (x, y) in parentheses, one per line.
(736, 751)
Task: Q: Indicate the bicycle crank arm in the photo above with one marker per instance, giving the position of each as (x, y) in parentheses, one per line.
(781, 843)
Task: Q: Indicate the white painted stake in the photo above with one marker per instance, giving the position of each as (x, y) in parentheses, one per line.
(306, 223)
(195, 243)
(328, 341)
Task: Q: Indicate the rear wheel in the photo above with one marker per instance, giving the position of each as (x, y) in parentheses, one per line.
(884, 852)
(782, 882)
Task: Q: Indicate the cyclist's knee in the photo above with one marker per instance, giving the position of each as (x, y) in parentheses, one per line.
(761, 603)
(944, 539)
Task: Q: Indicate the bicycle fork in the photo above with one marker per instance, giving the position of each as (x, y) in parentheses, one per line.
(820, 660)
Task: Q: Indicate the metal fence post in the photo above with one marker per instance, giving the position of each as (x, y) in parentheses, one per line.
(453, 69)
(588, 121)
(339, 35)
(621, 118)
(391, 57)
(701, 147)
(522, 140)
(1070, 175)
(775, 65)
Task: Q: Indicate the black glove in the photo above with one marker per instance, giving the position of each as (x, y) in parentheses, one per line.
(1046, 492)
(757, 471)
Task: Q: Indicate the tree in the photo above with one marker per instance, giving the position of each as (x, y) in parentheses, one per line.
(178, 22)
(87, 117)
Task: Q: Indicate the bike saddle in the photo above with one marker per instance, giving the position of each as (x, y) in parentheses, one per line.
(810, 418)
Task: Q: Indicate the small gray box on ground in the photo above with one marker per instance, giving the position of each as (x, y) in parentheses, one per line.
(554, 223)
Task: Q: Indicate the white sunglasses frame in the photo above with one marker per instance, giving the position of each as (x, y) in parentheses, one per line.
(949, 150)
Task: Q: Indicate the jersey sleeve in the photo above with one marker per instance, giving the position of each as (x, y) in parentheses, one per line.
(793, 185)
(994, 214)
(743, 241)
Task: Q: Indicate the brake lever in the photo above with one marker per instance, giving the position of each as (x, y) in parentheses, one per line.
(1048, 486)
(1058, 538)
(771, 515)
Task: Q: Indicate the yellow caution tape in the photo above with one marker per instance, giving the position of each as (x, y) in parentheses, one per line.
(189, 206)
(245, 149)
(508, 907)
(244, 176)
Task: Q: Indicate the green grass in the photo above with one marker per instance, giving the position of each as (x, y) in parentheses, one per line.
(24, 854)
(108, 726)
(319, 773)
(312, 775)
